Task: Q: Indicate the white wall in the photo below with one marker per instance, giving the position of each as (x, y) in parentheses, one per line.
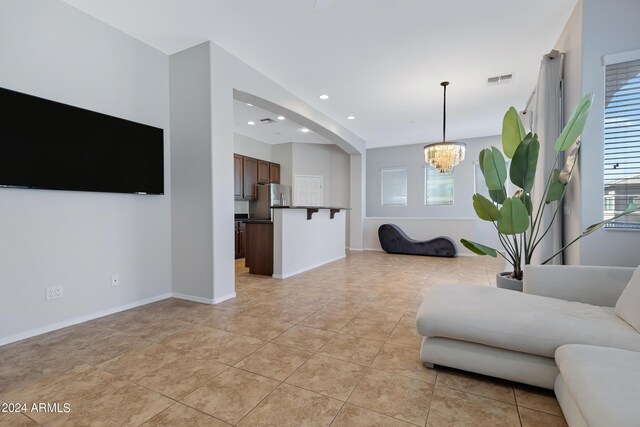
(596, 28)
(283, 154)
(191, 228)
(411, 157)
(570, 42)
(251, 147)
(608, 27)
(79, 239)
(427, 222)
(328, 161)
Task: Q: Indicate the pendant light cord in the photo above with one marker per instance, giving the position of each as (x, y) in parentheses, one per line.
(444, 111)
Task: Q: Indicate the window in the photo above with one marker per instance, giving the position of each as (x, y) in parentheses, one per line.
(438, 187)
(394, 187)
(622, 142)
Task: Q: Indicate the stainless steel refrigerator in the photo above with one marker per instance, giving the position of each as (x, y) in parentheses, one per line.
(269, 195)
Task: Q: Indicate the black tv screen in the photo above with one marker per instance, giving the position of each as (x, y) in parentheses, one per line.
(50, 145)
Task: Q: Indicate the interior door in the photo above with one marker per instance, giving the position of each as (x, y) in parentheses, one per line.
(308, 190)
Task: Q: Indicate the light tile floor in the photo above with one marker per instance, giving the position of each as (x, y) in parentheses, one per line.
(334, 346)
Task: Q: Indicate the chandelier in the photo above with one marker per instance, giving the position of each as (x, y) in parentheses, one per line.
(444, 155)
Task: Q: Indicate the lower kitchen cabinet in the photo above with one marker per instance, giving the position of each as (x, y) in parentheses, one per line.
(259, 253)
(240, 240)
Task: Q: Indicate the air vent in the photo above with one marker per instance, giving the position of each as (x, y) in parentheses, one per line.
(497, 80)
(267, 121)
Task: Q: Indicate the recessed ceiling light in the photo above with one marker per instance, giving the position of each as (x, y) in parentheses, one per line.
(304, 130)
(281, 117)
(324, 96)
(251, 123)
(249, 105)
(351, 117)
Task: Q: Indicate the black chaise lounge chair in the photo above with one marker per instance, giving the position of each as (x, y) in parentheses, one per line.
(395, 241)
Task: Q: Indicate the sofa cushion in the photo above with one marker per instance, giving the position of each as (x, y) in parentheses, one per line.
(603, 383)
(628, 305)
(519, 322)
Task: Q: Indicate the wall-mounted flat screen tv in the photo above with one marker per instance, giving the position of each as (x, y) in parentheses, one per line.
(49, 145)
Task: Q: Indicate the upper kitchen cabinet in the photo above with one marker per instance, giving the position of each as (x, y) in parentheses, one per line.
(263, 171)
(274, 173)
(250, 178)
(248, 172)
(237, 177)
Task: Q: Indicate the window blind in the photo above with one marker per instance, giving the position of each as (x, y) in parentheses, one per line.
(622, 142)
(438, 187)
(394, 187)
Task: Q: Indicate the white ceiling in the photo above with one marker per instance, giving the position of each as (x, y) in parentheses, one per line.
(380, 60)
(278, 132)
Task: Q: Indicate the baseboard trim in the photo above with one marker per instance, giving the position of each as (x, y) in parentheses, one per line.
(224, 298)
(203, 300)
(380, 250)
(81, 319)
(192, 298)
(311, 267)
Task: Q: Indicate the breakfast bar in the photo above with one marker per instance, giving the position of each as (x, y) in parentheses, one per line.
(306, 237)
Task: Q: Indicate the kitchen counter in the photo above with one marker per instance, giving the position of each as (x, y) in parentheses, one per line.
(333, 210)
(257, 221)
(310, 207)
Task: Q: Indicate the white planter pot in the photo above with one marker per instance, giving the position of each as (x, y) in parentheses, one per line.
(504, 282)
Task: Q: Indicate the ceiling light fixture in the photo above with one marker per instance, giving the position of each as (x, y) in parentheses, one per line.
(281, 117)
(250, 123)
(323, 96)
(304, 130)
(249, 105)
(444, 155)
(351, 117)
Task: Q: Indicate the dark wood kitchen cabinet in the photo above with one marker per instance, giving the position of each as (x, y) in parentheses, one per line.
(249, 178)
(264, 170)
(274, 173)
(245, 177)
(237, 176)
(248, 172)
(240, 239)
(259, 252)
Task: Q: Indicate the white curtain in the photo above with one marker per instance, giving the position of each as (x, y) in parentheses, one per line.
(546, 118)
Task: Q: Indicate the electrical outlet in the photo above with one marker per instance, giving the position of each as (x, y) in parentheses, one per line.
(54, 292)
(115, 280)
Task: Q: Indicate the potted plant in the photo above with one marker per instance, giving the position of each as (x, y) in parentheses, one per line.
(518, 222)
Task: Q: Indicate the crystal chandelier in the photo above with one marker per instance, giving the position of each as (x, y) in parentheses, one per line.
(444, 155)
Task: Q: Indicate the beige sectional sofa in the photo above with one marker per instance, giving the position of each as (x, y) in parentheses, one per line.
(568, 322)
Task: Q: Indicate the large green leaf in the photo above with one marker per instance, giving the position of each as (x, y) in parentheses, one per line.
(512, 132)
(479, 249)
(567, 170)
(495, 169)
(497, 196)
(481, 159)
(525, 199)
(524, 163)
(630, 209)
(485, 209)
(575, 125)
(556, 187)
(514, 218)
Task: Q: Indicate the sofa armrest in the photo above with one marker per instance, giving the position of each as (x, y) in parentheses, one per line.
(588, 284)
